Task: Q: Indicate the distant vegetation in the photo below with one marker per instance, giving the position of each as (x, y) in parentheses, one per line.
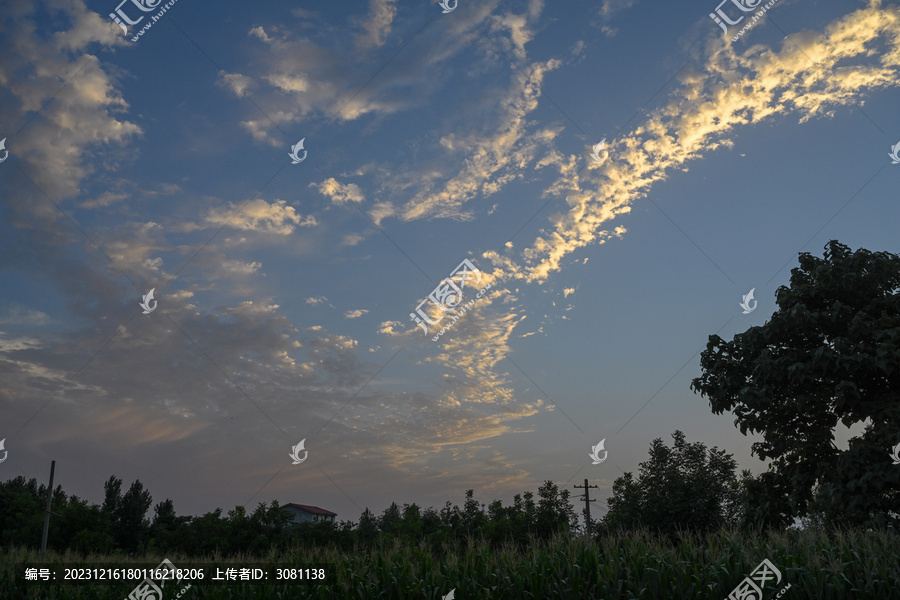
(120, 524)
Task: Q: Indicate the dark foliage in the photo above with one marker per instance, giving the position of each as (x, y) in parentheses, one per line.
(829, 354)
(121, 523)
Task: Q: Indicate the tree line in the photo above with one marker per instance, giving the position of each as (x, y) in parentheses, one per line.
(121, 524)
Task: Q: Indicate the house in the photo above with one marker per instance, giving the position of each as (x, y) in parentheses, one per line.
(303, 513)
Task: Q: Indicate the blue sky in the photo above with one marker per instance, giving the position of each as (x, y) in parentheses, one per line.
(285, 290)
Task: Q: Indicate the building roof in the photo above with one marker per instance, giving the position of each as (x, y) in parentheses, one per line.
(311, 509)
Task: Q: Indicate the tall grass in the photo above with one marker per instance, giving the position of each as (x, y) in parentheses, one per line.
(850, 564)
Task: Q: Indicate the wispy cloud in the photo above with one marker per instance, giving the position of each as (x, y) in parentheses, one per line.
(377, 24)
(258, 215)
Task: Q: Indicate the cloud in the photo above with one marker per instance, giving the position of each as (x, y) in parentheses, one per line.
(388, 328)
(339, 193)
(609, 8)
(731, 91)
(493, 160)
(307, 77)
(136, 249)
(258, 215)
(104, 200)
(377, 24)
(84, 115)
(351, 239)
(355, 314)
(237, 83)
(380, 211)
(21, 316)
(517, 26)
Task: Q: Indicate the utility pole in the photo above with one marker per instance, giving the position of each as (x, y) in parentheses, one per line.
(47, 515)
(587, 504)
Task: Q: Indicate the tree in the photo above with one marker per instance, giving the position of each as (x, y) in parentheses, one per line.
(166, 529)
(21, 512)
(206, 534)
(131, 525)
(390, 520)
(554, 512)
(112, 490)
(79, 527)
(684, 487)
(412, 521)
(367, 528)
(472, 516)
(831, 352)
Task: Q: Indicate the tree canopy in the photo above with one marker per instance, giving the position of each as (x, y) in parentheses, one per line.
(830, 353)
(684, 487)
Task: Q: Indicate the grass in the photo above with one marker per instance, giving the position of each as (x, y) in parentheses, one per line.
(852, 564)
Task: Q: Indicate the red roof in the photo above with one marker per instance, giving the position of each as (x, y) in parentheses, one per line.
(312, 509)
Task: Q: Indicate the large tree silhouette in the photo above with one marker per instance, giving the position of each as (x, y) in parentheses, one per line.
(684, 487)
(831, 352)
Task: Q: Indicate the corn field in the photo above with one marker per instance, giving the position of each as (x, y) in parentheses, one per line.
(853, 564)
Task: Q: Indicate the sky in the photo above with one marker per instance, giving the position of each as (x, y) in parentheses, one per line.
(618, 174)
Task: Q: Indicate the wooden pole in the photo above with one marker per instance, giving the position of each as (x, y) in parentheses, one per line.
(587, 504)
(47, 514)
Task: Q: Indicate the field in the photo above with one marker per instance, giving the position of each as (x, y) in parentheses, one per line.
(854, 564)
